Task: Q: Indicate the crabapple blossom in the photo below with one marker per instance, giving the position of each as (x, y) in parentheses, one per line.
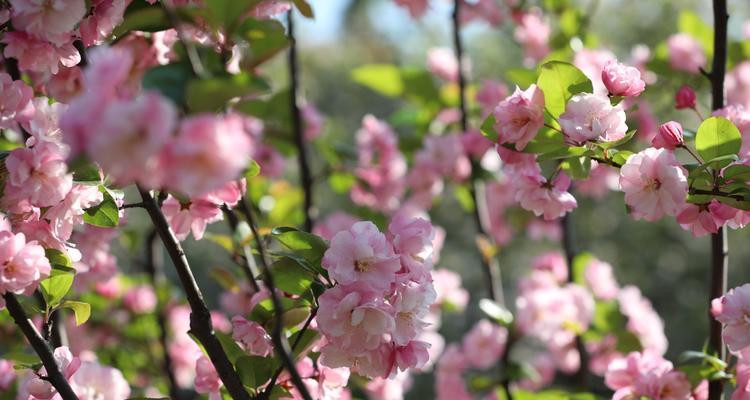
(96, 381)
(448, 289)
(50, 20)
(15, 101)
(685, 53)
(520, 116)
(669, 136)
(533, 33)
(731, 310)
(68, 213)
(105, 16)
(443, 63)
(207, 380)
(601, 180)
(253, 337)
(484, 344)
(38, 174)
(622, 80)
(411, 303)
(548, 199)
(444, 155)
(191, 217)
(601, 280)
(654, 184)
(685, 98)
(489, 94)
(68, 365)
(140, 299)
(698, 219)
(23, 263)
(646, 375)
(590, 117)
(38, 55)
(742, 390)
(591, 62)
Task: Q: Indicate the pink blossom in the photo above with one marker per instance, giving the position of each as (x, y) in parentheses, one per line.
(334, 223)
(389, 389)
(207, 380)
(68, 365)
(489, 94)
(66, 85)
(416, 8)
(669, 136)
(601, 280)
(353, 318)
(37, 55)
(622, 80)
(731, 312)
(64, 216)
(648, 125)
(643, 320)
(207, 152)
(373, 363)
(47, 19)
(591, 62)
(520, 116)
(742, 390)
(549, 199)
(23, 263)
(362, 254)
(131, 134)
(95, 381)
(624, 372)
(140, 299)
(698, 219)
(254, 339)
(589, 117)
(313, 121)
(39, 174)
(191, 217)
(654, 184)
(268, 8)
(444, 155)
(685, 53)
(737, 84)
(544, 366)
(554, 314)
(443, 63)
(15, 101)
(533, 33)
(685, 98)
(553, 263)
(97, 263)
(601, 180)
(484, 344)
(412, 239)
(411, 303)
(7, 373)
(104, 17)
(109, 72)
(448, 289)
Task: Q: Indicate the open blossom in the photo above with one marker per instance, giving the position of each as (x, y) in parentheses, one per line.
(484, 344)
(131, 134)
(412, 239)
(7, 373)
(590, 117)
(38, 174)
(533, 33)
(15, 101)
(410, 305)
(96, 381)
(731, 310)
(698, 219)
(362, 254)
(443, 63)
(654, 184)
(207, 152)
(685, 98)
(48, 19)
(38, 55)
(207, 380)
(601, 280)
(191, 217)
(646, 375)
(104, 17)
(742, 390)
(23, 263)
(685, 53)
(669, 136)
(591, 62)
(548, 199)
(253, 337)
(520, 116)
(622, 80)
(69, 365)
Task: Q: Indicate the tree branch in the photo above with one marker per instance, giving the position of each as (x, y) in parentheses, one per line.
(40, 346)
(296, 343)
(200, 317)
(719, 242)
(299, 138)
(280, 342)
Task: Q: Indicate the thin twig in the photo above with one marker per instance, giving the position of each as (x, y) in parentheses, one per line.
(281, 344)
(200, 317)
(40, 346)
(190, 50)
(247, 264)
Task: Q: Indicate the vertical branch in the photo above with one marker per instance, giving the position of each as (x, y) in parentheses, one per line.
(299, 137)
(571, 251)
(153, 264)
(200, 317)
(481, 218)
(719, 242)
(280, 342)
(40, 346)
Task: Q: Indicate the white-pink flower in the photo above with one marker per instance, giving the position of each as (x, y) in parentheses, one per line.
(50, 19)
(685, 53)
(654, 184)
(253, 337)
(192, 216)
(38, 55)
(15, 101)
(622, 80)
(520, 116)
(732, 310)
(96, 381)
(601, 280)
(484, 344)
(590, 117)
(38, 174)
(548, 199)
(22, 264)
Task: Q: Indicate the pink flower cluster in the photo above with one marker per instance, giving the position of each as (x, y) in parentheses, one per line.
(372, 318)
(655, 184)
(136, 138)
(519, 117)
(648, 375)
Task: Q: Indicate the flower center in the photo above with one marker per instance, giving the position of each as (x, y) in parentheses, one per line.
(362, 265)
(652, 185)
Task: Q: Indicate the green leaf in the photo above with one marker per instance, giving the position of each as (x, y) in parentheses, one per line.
(382, 78)
(621, 157)
(304, 8)
(86, 172)
(497, 312)
(212, 94)
(105, 214)
(717, 137)
(309, 338)
(552, 395)
(521, 77)
(577, 167)
(57, 285)
(562, 153)
(169, 80)
(291, 277)
(253, 170)
(738, 172)
(690, 23)
(464, 197)
(307, 245)
(546, 141)
(488, 128)
(580, 262)
(266, 39)
(140, 16)
(255, 370)
(233, 350)
(226, 13)
(58, 259)
(341, 182)
(560, 81)
(617, 143)
(81, 310)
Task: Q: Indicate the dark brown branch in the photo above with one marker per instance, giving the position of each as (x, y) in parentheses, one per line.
(299, 137)
(719, 242)
(200, 317)
(78, 44)
(280, 342)
(40, 346)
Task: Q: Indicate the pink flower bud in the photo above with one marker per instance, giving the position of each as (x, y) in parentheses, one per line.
(622, 80)
(669, 136)
(685, 98)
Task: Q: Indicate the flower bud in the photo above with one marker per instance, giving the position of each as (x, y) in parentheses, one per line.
(669, 136)
(622, 80)
(685, 98)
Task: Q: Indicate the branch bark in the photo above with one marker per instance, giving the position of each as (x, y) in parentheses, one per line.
(40, 346)
(719, 242)
(299, 138)
(200, 317)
